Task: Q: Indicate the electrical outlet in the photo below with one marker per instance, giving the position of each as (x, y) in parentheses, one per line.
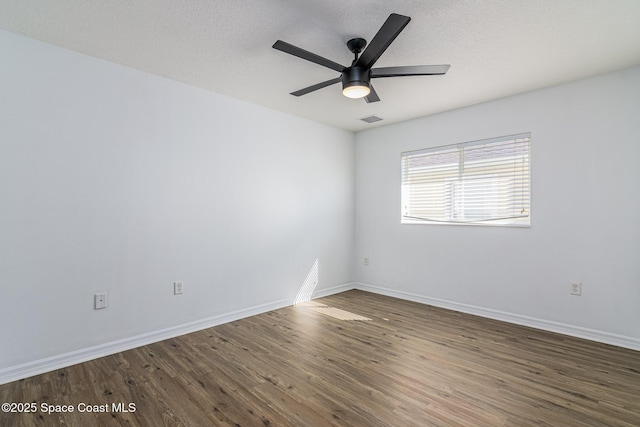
(575, 288)
(366, 261)
(177, 287)
(100, 301)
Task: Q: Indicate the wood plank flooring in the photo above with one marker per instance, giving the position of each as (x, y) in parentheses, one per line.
(410, 365)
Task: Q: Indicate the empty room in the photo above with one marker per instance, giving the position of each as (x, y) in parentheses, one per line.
(286, 213)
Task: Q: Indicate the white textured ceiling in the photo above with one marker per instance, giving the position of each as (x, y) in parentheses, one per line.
(496, 48)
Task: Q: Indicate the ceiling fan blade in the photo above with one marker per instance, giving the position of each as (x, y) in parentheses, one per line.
(415, 70)
(373, 96)
(317, 86)
(386, 35)
(304, 54)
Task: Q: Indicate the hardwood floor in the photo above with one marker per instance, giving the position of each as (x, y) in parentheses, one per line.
(410, 365)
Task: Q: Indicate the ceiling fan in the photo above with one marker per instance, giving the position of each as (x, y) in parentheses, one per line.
(356, 79)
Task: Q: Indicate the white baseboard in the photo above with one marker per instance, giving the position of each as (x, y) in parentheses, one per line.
(333, 290)
(547, 325)
(52, 363)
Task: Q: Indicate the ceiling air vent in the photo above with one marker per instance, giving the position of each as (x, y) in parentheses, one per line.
(371, 119)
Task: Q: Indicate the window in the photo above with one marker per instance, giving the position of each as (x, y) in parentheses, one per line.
(481, 182)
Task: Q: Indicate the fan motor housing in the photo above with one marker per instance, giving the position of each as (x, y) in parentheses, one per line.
(356, 76)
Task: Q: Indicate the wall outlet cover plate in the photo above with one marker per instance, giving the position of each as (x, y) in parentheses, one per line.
(100, 301)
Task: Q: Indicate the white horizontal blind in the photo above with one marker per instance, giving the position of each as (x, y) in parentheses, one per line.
(479, 182)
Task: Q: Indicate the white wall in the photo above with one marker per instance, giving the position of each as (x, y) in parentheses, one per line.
(119, 181)
(585, 214)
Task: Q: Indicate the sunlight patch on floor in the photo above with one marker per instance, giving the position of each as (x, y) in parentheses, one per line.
(332, 311)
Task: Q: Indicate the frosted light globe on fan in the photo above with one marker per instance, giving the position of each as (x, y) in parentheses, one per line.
(358, 90)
